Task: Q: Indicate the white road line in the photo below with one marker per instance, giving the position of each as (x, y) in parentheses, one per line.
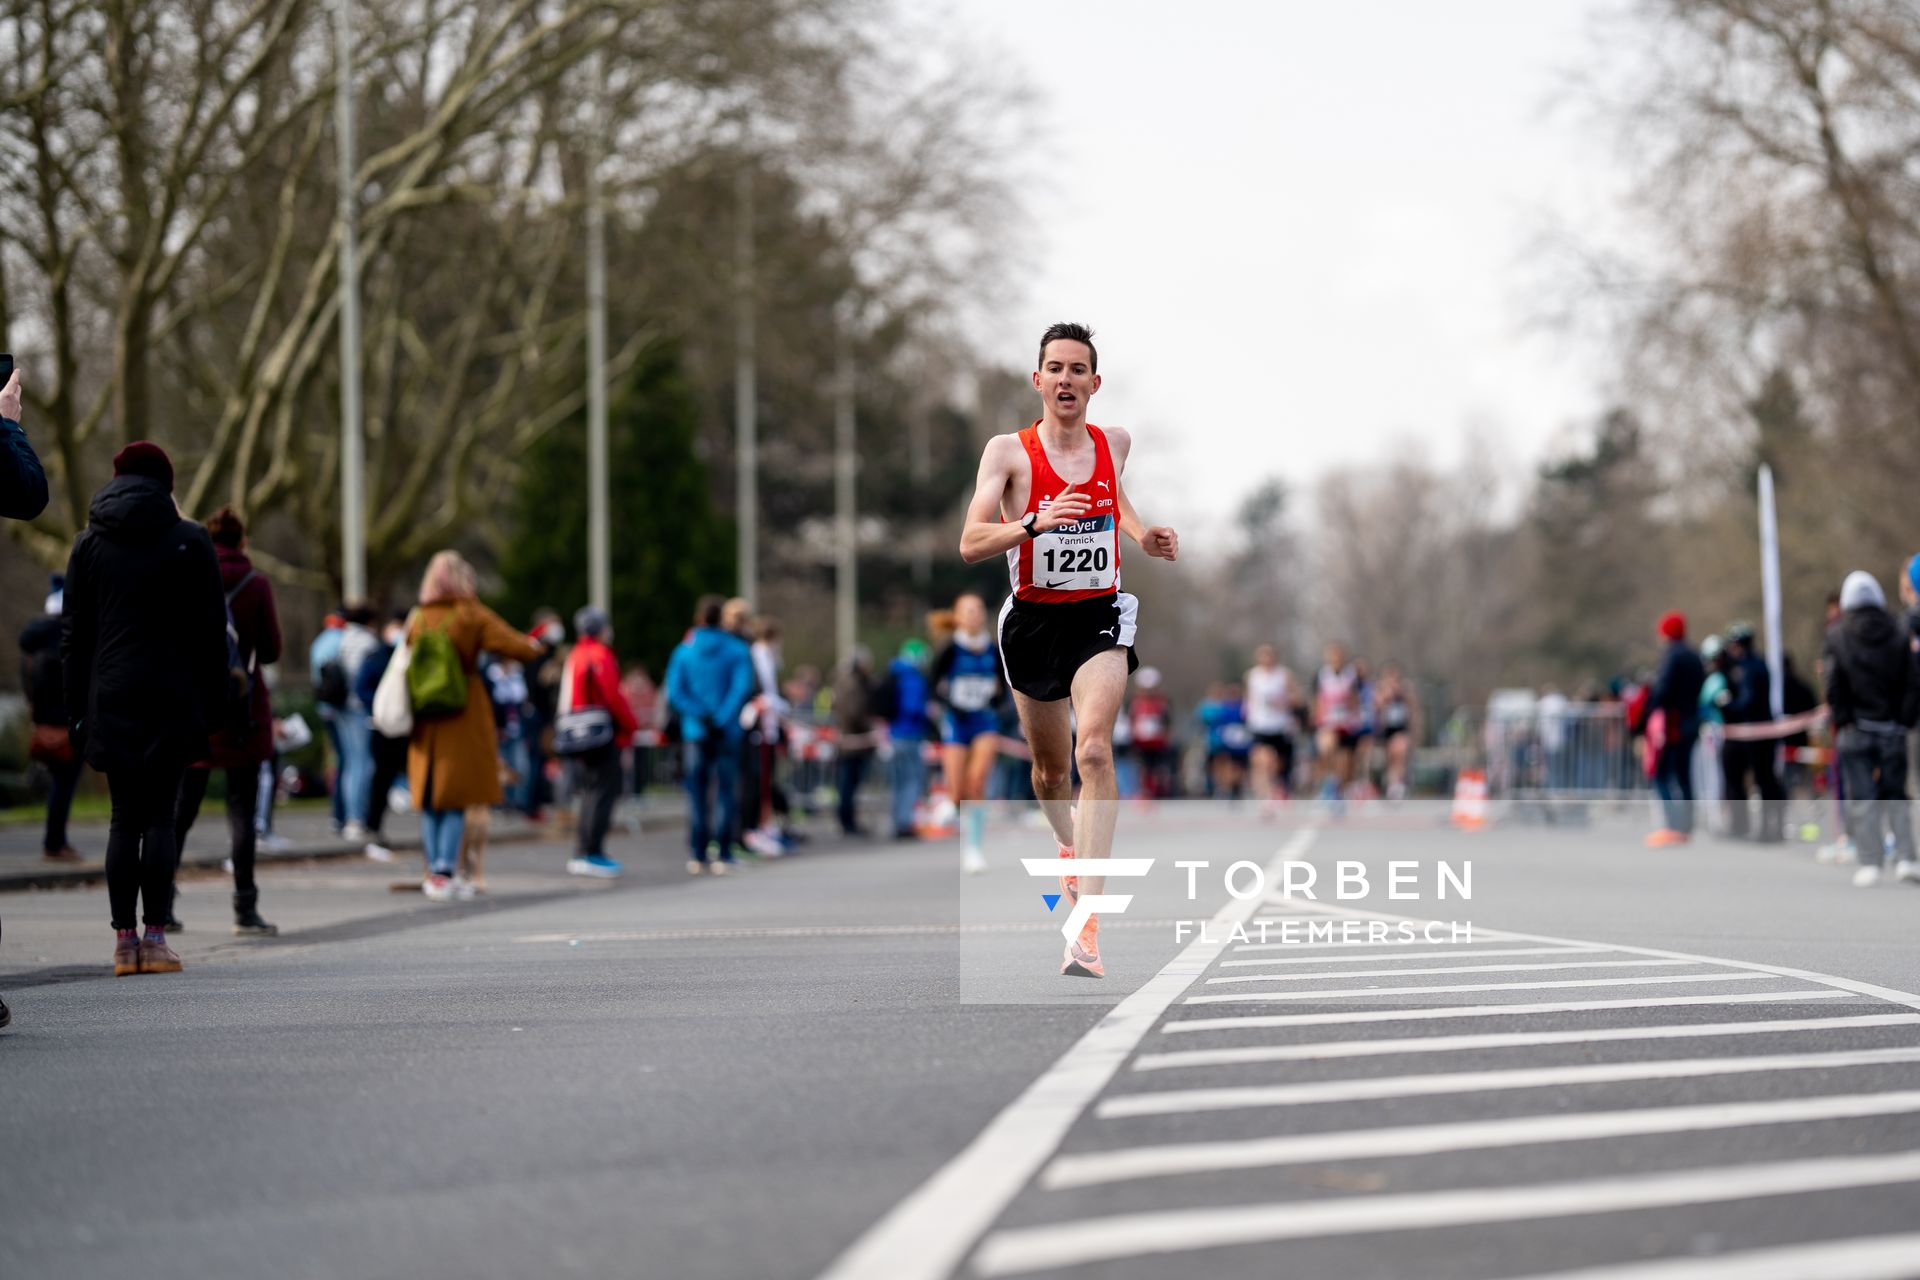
(1907, 998)
(1452, 953)
(1318, 1050)
(1374, 993)
(1126, 1164)
(1181, 1101)
(1862, 1258)
(1362, 944)
(1251, 1021)
(1469, 968)
(927, 1234)
(1077, 1243)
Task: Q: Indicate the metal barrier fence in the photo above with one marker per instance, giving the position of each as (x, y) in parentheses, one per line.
(1550, 748)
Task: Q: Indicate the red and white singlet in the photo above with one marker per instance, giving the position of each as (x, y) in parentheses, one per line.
(1077, 561)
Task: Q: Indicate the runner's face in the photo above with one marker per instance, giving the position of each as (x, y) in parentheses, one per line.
(970, 614)
(1065, 378)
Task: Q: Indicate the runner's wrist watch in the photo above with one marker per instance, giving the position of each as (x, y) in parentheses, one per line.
(1028, 521)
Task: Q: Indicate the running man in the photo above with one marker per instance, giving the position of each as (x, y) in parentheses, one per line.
(1270, 702)
(967, 683)
(1049, 499)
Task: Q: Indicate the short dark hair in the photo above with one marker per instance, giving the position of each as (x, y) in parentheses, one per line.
(1068, 331)
(707, 612)
(226, 528)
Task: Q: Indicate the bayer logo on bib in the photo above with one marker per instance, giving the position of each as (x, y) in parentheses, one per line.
(1076, 557)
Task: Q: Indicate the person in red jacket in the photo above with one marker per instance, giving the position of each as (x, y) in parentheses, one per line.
(592, 679)
(244, 739)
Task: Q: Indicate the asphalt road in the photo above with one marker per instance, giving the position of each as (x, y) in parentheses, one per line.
(856, 1063)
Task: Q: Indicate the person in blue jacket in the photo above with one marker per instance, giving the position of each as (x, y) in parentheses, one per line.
(709, 679)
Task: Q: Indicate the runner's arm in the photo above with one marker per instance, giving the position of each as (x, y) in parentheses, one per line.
(986, 535)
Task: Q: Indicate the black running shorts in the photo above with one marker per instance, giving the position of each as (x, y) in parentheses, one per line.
(1044, 645)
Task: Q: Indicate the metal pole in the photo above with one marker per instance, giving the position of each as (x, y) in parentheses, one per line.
(920, 467)
(1770, 589)
(353, 533)
(745, 396)
(599, 556)
(846, 552)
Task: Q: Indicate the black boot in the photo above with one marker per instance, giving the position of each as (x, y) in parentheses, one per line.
(6, 1014)
(246, 917)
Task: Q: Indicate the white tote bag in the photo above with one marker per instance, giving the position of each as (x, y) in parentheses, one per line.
(392, 704)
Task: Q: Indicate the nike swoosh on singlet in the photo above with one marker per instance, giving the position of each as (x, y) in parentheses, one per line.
(1055, 586)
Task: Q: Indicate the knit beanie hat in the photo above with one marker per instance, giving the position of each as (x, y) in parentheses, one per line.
(1673, 624)
(145, 458)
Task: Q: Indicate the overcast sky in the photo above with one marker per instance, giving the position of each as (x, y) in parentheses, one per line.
(1302, 230)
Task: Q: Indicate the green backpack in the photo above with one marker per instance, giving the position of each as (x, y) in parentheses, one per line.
(436, 678)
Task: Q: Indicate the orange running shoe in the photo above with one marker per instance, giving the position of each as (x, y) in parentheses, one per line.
(1665, 837)
(1083, 953)
(1069, 885)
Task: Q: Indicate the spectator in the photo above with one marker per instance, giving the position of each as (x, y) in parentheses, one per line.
(903, 703)
(644, 697)
(23, 487)
(453, 761)
(1796, 698)
(243, 737)
(23, 484)
(853, 724)
(389, 754)
(1910, 597)
(543, 691)
(1751, 685)
(709, 679)
(353, 718)
(1873, 697)
(1675, 696)
(765, 802)
(52, 742)
(593, 680)
(144, 660)
(330, 693)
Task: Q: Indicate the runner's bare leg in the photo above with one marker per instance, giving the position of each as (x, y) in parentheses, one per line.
(1049, 728)
(1099, 687)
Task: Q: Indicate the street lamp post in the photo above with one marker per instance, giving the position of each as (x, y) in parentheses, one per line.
(846, 576)
(745, 393)
(353, 534)
(599, 573)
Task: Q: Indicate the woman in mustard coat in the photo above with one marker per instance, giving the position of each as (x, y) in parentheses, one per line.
(453, 762)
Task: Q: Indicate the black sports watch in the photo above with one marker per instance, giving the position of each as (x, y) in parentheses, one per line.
(1028, 521)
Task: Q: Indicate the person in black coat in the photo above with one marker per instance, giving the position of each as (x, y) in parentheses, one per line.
(145, 657)
(23, 482)
(1873, 699)
(1675, 693)
(1751, 685)
(52, 742)
(23, 489)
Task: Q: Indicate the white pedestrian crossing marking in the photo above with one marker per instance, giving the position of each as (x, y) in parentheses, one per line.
(1469, 968)
(1168, 1159)
(1450, 953)
(1374, 993)
(1078, 1243)
(1175, 1101)
(1316, 1051)
(1248, 1021)
(1888, 1257)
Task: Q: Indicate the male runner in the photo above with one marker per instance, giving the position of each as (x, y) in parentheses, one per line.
(1049, 499)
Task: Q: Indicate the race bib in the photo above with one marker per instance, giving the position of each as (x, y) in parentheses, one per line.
(1236, 737)
(971, 693)
(1076, 557)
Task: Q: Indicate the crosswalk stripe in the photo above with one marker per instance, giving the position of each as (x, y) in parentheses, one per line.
(1864, 1258)
(1374, 993)
(1127, 1164)
(1469, 968)
(1451, 953)
(1180, 1101)
(1315, 1051)
(1077, 1243)
(1255, 1020)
